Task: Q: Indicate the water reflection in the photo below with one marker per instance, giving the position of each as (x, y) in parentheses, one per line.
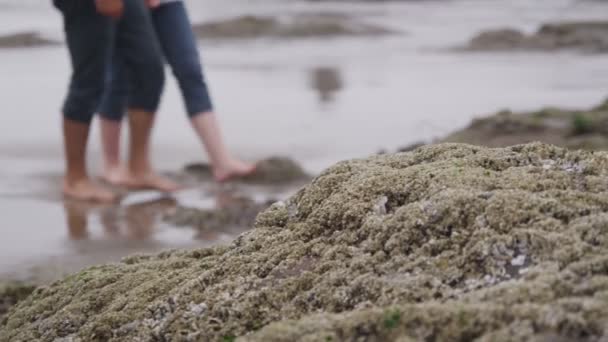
(207, 214)
(132, 222)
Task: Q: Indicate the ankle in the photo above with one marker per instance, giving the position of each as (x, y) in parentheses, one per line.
(75, 178)
(222, 164)
(113, 167)
(140, 170)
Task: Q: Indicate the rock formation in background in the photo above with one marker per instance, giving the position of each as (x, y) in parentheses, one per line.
(25, 40)
(298, 26)
(586, 36)
(575, 129)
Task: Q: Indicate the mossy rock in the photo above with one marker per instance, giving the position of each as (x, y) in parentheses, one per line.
(11, 293)
(449, 242)
(25, 40)
(586, 36)
(320, 25)
(273, 170)
(575, 129)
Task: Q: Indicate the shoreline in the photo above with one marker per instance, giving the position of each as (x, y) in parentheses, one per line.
(240, 203)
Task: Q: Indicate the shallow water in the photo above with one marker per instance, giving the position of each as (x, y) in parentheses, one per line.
(59, 239)
(396, 90)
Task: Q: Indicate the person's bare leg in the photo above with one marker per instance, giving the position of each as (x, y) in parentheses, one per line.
(225, 166)
(77, 183)
(114, 172)
(140, 168)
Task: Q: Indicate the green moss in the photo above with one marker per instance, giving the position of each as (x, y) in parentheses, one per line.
(581, 124)
(391, 319)
(11, 293)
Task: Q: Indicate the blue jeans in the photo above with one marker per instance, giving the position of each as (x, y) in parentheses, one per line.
(93, 39)
(179, 46)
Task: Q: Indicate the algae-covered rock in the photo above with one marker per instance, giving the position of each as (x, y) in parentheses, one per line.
(25, 40)
(575, 129)
(297, 26)
(449, 242)
(587, 36)
(274, 170)
(278, 170)
(11, 293)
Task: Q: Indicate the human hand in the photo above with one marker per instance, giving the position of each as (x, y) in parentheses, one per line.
(110, 8)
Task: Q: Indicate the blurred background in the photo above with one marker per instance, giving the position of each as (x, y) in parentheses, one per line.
(312, 81)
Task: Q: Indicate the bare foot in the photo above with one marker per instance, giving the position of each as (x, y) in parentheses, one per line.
(153, 181)
(233, 169)
(86, 190)
(118, 176)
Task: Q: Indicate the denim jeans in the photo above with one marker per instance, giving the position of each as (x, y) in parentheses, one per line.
(179, 45)
(93, 39)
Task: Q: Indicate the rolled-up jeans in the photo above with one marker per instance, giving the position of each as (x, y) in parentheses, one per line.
(93, 40)
(179, 46)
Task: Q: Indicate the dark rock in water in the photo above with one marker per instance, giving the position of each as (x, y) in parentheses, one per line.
(242, 27)
(326, 81)
(25, 39)
(275, 170)
(278, 170)
(577, 129)
(587, 36)
(450, 242)
(11, 293)
(201, 171)
(298, 26)
(500, 39)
